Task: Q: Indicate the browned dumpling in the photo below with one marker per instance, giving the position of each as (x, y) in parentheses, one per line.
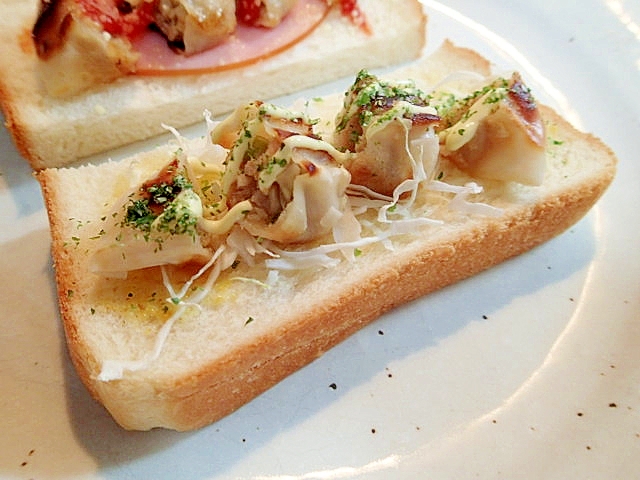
(292, 181)
(196, 25)
(389, 131)
(497, 133)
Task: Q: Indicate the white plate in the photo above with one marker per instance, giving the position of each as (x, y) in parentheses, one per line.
(530, 370)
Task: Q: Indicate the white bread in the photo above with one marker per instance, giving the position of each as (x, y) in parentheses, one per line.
(54, 132)
(216, 361)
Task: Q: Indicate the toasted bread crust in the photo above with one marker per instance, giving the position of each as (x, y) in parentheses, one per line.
(67, 280)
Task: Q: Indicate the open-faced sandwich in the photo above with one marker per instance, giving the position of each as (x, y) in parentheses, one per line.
(78, 77)
(195, 276)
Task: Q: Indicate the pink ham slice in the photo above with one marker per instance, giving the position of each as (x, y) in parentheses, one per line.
(247, 45)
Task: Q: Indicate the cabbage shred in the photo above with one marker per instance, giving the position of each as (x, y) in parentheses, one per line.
(264, 187)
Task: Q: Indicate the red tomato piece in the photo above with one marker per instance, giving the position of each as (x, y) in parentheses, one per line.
(117, 17)
(248, 11)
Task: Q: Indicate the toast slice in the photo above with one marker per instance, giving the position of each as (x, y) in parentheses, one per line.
(253, 329)
(52, 132)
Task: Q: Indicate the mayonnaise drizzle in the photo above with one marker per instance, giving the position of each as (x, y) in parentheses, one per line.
(396, 216)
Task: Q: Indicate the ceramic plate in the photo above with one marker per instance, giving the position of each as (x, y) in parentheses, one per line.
(529, 370)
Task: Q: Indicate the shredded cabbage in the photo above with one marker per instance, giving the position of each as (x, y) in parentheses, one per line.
(222, 259)
(397, 215)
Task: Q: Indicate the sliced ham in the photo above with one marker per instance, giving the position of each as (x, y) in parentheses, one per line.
(246, 45)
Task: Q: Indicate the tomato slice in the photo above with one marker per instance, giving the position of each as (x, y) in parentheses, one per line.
(117, 17)
(247, 45)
